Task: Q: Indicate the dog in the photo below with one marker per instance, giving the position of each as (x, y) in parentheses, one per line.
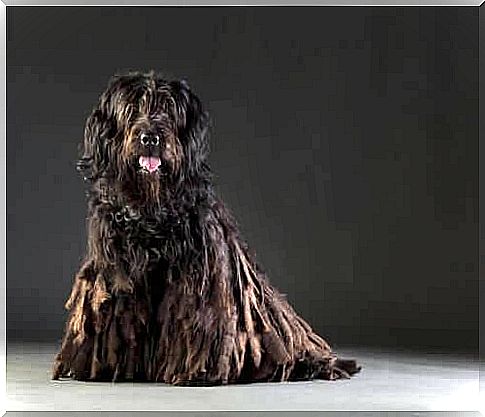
(168, 290)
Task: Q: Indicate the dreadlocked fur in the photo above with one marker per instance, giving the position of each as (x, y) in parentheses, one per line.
(168, 290)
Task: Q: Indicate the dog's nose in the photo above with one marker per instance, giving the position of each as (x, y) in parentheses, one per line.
(148, 139)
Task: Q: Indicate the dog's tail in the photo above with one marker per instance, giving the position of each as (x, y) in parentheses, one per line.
(329, 367)
(342, 368)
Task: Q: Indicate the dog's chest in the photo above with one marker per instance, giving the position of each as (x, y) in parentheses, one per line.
(160, 235)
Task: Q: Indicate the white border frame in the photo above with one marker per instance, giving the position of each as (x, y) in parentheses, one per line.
(3, 135)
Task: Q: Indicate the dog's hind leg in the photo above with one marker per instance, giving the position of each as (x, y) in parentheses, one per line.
(281, 344)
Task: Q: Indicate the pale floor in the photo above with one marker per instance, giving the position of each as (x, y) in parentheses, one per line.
(390, 381)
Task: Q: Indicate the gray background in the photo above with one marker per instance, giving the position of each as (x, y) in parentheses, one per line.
(345, 140)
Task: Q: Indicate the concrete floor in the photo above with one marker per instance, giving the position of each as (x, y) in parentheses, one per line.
(390, 381)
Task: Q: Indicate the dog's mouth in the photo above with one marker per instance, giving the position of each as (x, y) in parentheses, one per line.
(150, 164)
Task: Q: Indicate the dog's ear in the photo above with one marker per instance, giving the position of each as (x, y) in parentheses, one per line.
(192, 120)
(95, 152)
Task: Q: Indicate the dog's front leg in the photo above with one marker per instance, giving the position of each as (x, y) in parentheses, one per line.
(75, 348)
(99, 339)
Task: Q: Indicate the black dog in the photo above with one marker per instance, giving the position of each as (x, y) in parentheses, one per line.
(168, 290)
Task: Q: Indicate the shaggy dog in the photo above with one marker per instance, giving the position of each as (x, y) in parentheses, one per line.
(168, 290)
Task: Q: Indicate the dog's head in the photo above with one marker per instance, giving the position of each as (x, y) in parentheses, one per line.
(145, 130)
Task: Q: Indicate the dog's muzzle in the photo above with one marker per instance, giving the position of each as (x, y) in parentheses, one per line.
(150, 163)
(150, 143)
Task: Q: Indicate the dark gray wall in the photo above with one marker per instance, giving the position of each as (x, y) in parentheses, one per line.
(345, 140)
(481, 263)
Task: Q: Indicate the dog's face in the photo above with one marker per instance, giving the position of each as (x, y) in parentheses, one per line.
(145, 130)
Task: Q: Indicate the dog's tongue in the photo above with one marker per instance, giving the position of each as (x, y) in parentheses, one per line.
(151, 163)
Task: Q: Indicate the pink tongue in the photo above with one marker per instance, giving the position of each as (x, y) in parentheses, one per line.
(151, 163)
